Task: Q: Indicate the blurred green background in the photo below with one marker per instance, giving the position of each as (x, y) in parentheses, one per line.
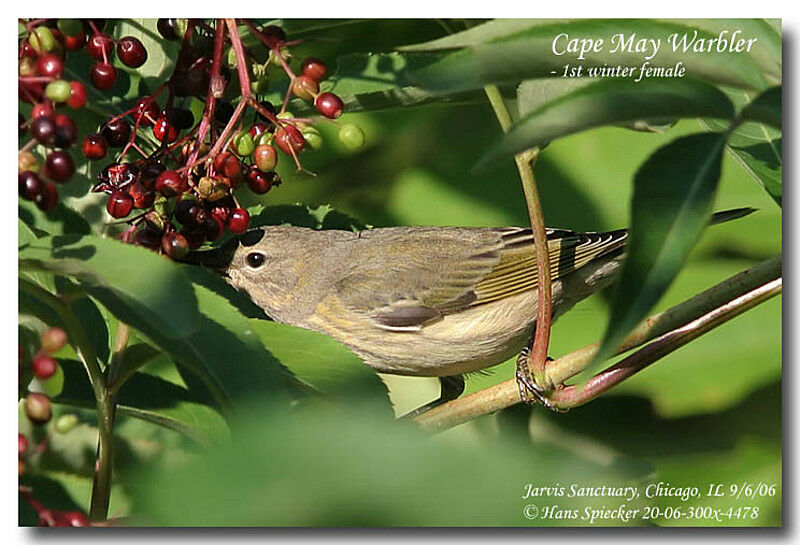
(708, 413)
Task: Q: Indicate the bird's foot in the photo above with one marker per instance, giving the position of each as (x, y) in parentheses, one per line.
(529, 390)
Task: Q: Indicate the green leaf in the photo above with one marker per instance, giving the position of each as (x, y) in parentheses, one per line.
(765, 108)
(151, 399)
(58, 221)
(321, 362)
(609, 102)
(755, 146)
(528, 54)
(134, 283)
(672, 198)
(133, 357)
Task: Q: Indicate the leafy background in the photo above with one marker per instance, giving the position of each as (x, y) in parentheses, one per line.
(711, 412)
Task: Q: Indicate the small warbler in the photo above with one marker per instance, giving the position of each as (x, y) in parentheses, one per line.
(422, 301)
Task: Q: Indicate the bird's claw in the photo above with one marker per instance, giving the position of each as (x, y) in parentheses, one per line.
(529, 391)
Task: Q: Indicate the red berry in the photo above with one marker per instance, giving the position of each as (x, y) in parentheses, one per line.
(103, 75)
(44, 366)
(94, 147)
(23, 444)
(227, 165)
(70, 519)
(74, 43)
(47, 199)
(220, 213)
(99, 46)
(305, 87)
(274, 36)
(50, 65)
(43, 109)
(117, 132)
(313, 68)
(147, 108)
(43, 129)
(165, 131)
(30, 185)
(66, 131)
(169, 183)
(258, 129)
(59, 166)
(329, 105)
(131, 52)
(288, 139)
(142, 197)
(78, 95)
(37, 408)
(54, 339)
(265, 157)
(261, 182)
(175, 245)
(239, 221)
(119, 204)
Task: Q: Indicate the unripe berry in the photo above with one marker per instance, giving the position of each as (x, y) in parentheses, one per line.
(119, 204)
(242, 144)
(37, 408)
(304, 87)
(289, 139)
(44, 366)
(70, 27)
(169, 183)
(131, 52)
(313, 68)
(58, 91)
(94, 147)
(65, 423)
(42, 40)
(54, 339)
(27, 161)
(265, 158)
(351, 136)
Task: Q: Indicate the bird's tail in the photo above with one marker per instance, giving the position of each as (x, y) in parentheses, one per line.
(732, 214)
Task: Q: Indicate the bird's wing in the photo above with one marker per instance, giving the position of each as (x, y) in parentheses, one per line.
(401, 289)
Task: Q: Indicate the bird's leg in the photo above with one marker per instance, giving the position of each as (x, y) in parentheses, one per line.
(529, 391)
(451, 388)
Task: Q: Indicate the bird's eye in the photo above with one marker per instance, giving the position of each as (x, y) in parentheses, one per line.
(255, 259)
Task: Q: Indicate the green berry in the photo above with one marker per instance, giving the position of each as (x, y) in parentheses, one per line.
(58, 91)
(42, 39)
(243, 144)
(231, 59)
(352, 136)
(65, 423)
(313, 137)
(263, 139)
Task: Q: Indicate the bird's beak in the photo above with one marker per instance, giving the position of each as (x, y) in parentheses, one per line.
(218, 258)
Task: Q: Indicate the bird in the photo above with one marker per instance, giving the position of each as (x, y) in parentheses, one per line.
(419, 301)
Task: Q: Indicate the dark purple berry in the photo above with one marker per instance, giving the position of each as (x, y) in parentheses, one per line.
(59, 166)
(117, 132)
(131, 52)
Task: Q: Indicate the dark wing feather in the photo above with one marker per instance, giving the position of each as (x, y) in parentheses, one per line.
(401, 289)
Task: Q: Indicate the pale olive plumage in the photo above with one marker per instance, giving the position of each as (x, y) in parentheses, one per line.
(427, 301)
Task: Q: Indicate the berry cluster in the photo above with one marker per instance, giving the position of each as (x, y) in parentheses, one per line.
(173, 177)
(46, 370)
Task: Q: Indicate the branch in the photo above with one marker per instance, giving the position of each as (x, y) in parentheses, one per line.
(544, 314)
(506, 394)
